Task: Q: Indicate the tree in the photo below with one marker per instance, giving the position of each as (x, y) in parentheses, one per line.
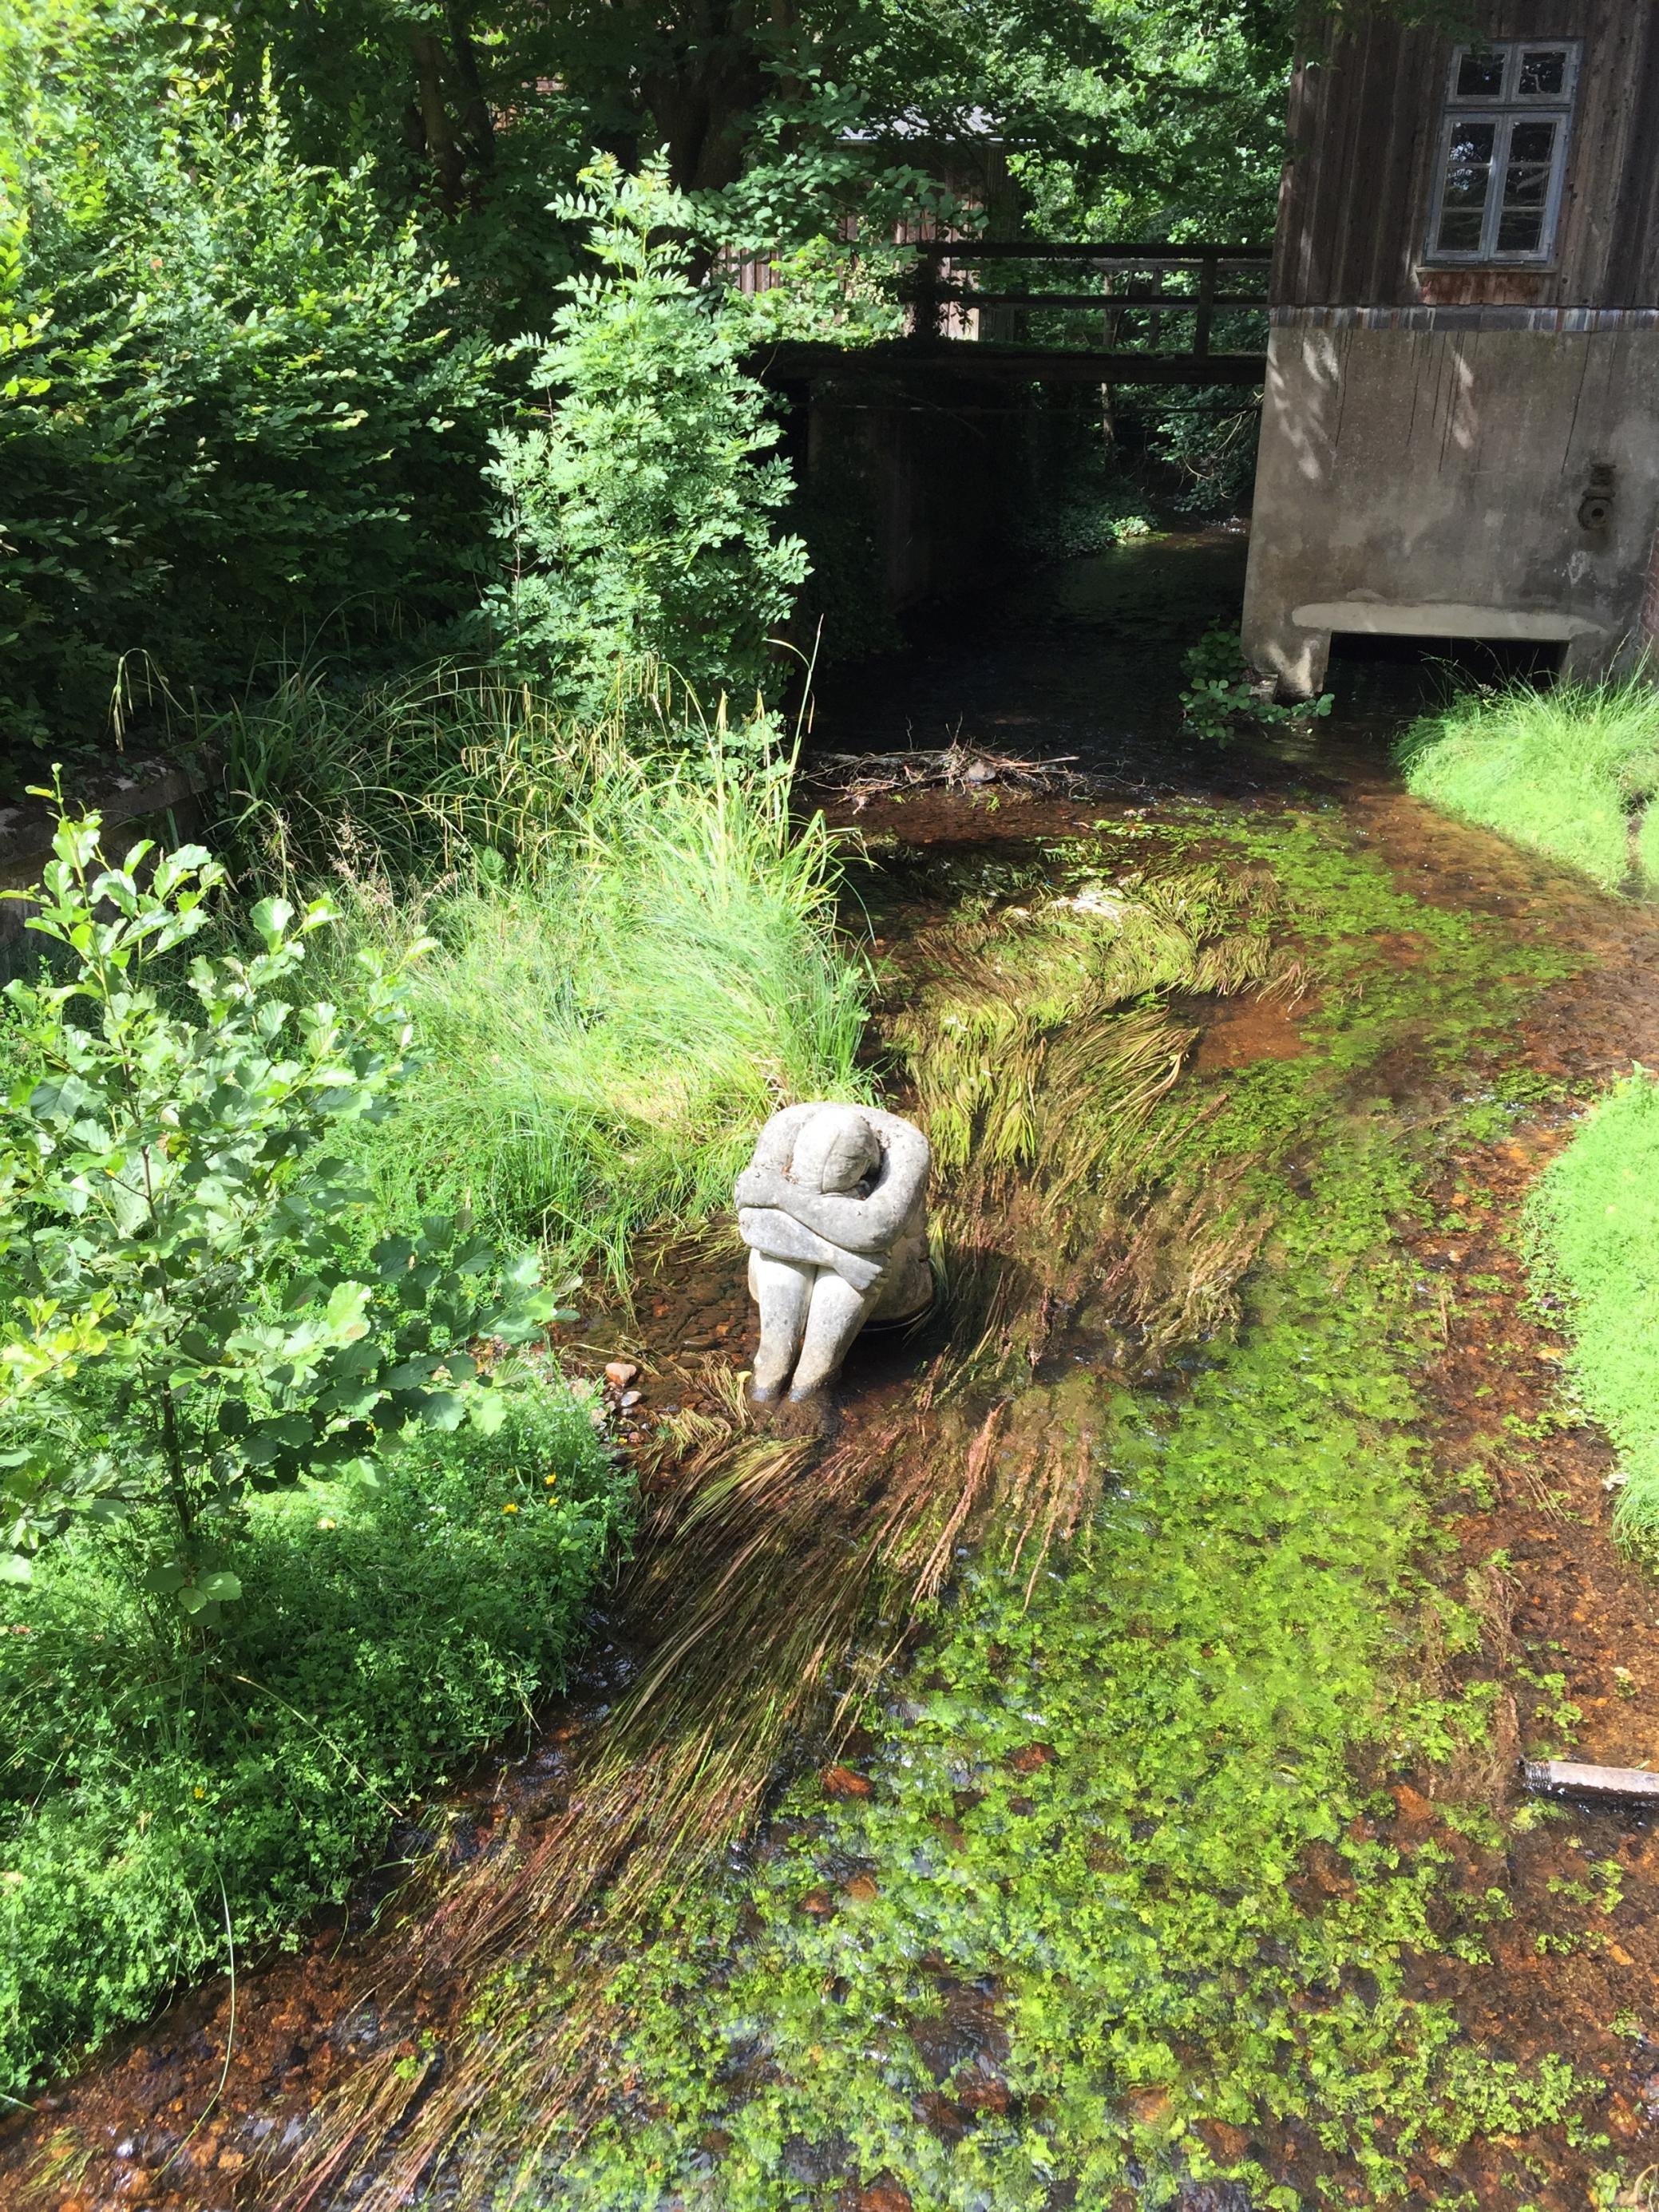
(638, 512)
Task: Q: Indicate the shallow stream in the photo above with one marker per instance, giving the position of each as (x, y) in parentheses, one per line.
(1119, 1802)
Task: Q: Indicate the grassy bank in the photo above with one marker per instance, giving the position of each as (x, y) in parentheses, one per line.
(633, 956)
(1567, 772)
(1594, 1236)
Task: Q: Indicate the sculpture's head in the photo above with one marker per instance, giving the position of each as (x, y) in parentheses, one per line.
(835, 1150)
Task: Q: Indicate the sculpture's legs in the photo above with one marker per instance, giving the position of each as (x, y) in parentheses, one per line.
(782, 1288)
(833, 1319)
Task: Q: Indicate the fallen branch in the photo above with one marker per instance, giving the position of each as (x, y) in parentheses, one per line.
(955, 767)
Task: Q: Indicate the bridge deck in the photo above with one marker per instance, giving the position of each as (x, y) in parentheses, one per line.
(981, 361)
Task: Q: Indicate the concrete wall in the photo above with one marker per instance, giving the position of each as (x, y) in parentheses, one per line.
(1455, 473)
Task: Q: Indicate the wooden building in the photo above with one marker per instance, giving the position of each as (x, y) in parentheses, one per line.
(1461, 427)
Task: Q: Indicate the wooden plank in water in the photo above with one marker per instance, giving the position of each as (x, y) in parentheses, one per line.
(1593, 1786)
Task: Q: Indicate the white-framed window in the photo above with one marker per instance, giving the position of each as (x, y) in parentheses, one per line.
(1503, 151)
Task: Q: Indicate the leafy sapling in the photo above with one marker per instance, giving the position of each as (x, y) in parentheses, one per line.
(1223, 695)
(638, 512)
(192, 1310)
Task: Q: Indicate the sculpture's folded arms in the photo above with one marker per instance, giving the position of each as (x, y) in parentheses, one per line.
(779, 1236)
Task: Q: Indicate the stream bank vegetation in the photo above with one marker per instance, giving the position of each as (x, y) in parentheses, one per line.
(1593, 1231)
(1100, 1900)
(631, 951)
(1570, 771)
(251, 1212)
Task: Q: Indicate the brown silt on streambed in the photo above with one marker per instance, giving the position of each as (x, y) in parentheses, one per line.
(1073, 986)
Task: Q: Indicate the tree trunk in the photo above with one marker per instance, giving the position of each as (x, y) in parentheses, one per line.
(443, 148)
(477, 120)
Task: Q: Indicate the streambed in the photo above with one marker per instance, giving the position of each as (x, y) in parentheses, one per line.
(1173, 1856)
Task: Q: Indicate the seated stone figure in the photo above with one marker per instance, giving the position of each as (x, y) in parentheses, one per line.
(833, 1209)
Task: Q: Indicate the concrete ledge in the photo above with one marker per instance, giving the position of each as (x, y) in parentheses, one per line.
(1442, 619)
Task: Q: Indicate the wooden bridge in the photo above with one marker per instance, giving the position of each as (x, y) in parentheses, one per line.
(1016, 311)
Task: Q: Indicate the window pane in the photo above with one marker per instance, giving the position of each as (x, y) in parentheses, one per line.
(1469, 142)
(1543, 72)
(1480, 73)
(1524, 187)
(1533, 142)
(1470, 148)
(1521, 230)
(1459, 233)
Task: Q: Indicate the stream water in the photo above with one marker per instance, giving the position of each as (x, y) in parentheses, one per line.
(1189, 1590)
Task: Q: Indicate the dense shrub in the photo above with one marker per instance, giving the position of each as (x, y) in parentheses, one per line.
(195, 1306)
(161, 1801)
(233, 417)
(638, 513)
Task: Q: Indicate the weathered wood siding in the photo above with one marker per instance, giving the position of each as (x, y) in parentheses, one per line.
(1365, 108)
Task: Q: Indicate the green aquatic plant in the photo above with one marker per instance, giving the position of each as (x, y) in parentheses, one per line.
(1593, 1242)
(987, 1003)
(1039, 1039)
(1568, 772)
(1123, 1798)
(1223, 695)
(1095, 1800)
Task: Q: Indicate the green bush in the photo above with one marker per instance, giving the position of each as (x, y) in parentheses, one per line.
(1592, 1234)
(638, 519)
(193, 1311)
(163, 1807)
(1562, 771)
(236, 412)
(1223, 695)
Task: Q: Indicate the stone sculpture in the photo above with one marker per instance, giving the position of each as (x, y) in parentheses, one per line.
(833, 1209)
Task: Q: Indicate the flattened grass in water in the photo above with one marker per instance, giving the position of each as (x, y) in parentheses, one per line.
(1593, 1230)
(1563, 771)
(604, 1028)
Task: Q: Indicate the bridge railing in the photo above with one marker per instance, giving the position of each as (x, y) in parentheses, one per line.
(1141, 296)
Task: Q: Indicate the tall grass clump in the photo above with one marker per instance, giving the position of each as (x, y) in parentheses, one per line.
(632, 955)
(1563, 771)
(1593, 1230)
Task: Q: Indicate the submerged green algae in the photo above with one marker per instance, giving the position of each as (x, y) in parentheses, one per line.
(1114, 1882)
